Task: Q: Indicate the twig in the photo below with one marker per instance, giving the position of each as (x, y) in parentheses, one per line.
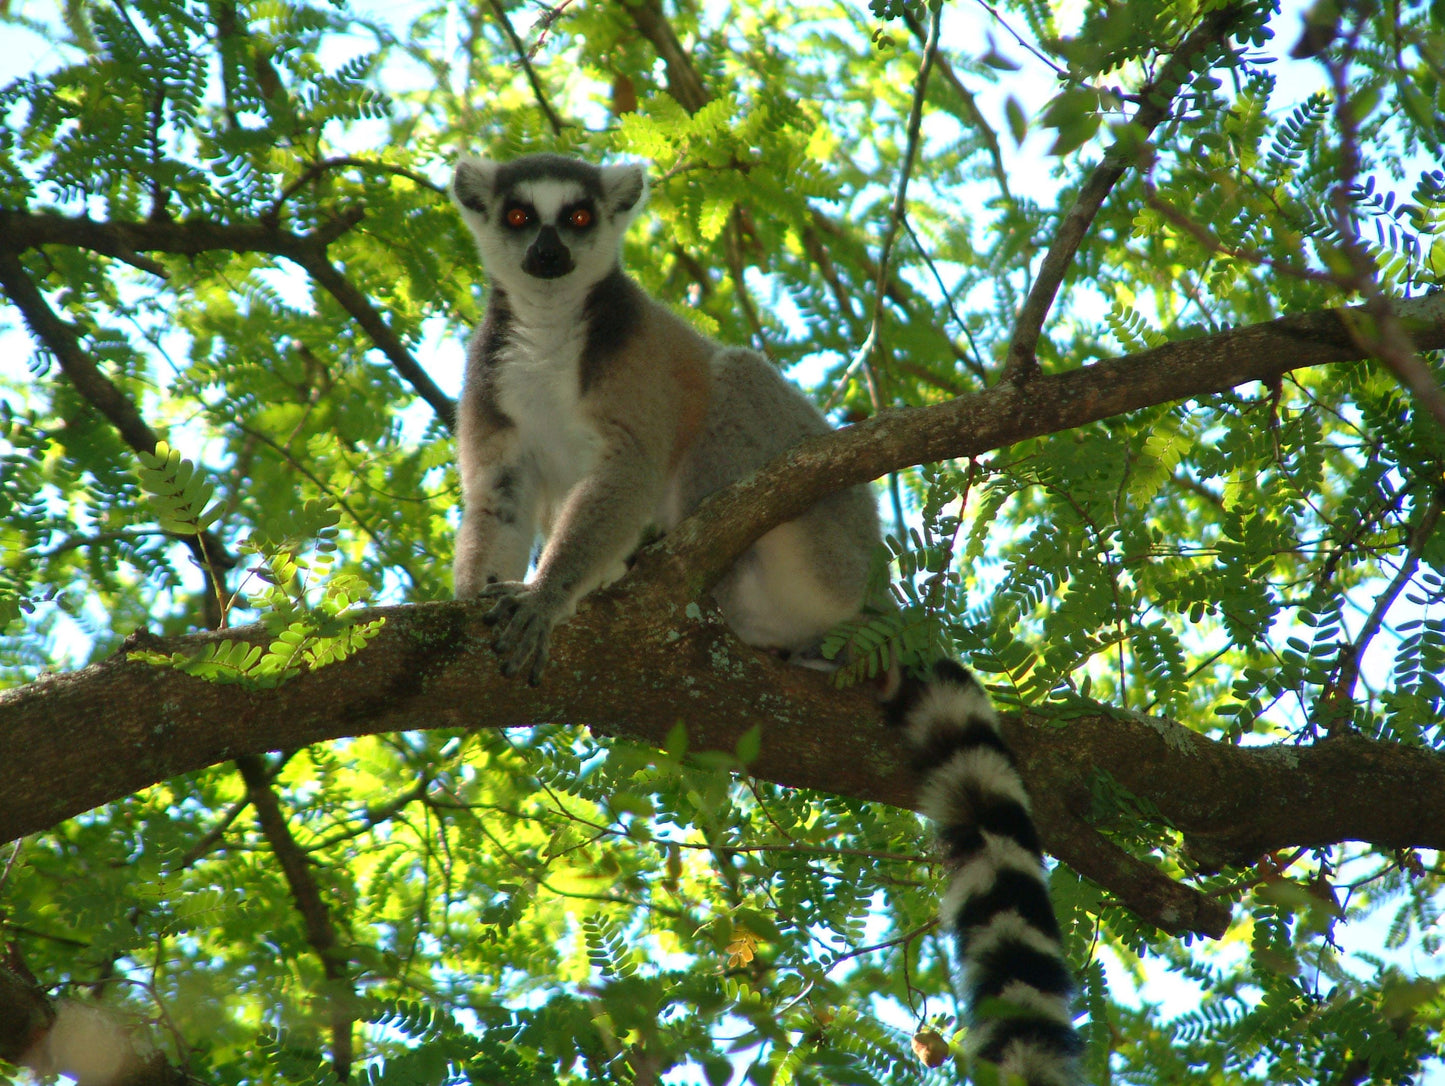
(971, 111)
(1017, 37)
(736, 269)
(214, 834)
(75, 542)
(1202, 234)
(1342, 690)
(1157, 97)
(373, 816)
(823, 260)
(900, 195)
(334, 495)
(316, 169)
(524, 58)
(544, 26)
(10, 862)
(975, 360)
(906, 937)
(882, 279)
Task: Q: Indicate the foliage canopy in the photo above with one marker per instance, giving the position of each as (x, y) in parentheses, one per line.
(223, 230)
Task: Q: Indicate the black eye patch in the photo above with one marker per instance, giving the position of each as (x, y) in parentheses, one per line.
(578, 216)
(519, 216)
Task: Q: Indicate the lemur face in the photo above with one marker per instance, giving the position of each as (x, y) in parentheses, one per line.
(546, 217)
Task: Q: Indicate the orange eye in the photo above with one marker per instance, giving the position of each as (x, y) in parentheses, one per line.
(580, 218)
(518, 216)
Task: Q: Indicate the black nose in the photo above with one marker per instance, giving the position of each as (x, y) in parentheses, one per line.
(547, 258)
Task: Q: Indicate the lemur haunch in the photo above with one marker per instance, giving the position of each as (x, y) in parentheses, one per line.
(591, 412)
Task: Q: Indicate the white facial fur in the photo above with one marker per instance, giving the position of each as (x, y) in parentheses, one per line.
(520, 210)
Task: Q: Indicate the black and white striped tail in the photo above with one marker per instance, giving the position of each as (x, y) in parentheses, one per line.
(1015, 978)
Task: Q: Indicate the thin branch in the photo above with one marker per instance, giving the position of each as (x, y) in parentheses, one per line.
(213, 836)
(1342, 690)
(1157, 97)
(686, 86)
(703, 546)
(218, 831)
(1215, 247)
(900, 195)
(1022, 41)
(534, 871)
(23, 230)
(320, 268)
(524, 58)
(969, 103)
(736, 268)
(1140, 887)
(320, 931)
(823, 260)
(75, 542)
(93, 386)
(376, 814)
(1386, 339)
(63, 341)
(974, 360)
(316, 169)
(332, 493)
(906, 937)
(15, 850)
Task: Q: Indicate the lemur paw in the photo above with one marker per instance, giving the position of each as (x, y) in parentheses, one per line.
(524, 626)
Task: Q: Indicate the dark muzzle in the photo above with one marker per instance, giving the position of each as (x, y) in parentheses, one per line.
(548, 258)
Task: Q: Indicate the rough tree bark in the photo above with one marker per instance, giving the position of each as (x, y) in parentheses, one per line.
(74, 741)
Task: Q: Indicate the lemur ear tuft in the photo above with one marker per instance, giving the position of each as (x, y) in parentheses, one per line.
(474, 184)
(624, 187)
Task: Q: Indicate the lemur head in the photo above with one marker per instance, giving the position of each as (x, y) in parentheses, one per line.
(547, 218)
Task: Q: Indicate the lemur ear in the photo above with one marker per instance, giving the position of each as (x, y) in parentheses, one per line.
(474, 184)
(624, 188)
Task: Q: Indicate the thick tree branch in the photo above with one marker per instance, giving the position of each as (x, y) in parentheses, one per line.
(24, 230)
(117, 727)
(701, 548)
(85, 738)
(1157, 97)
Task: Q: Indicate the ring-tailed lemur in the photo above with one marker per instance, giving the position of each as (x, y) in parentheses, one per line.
(590, 412)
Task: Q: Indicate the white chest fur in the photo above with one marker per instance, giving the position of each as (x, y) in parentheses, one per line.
(539, 388)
